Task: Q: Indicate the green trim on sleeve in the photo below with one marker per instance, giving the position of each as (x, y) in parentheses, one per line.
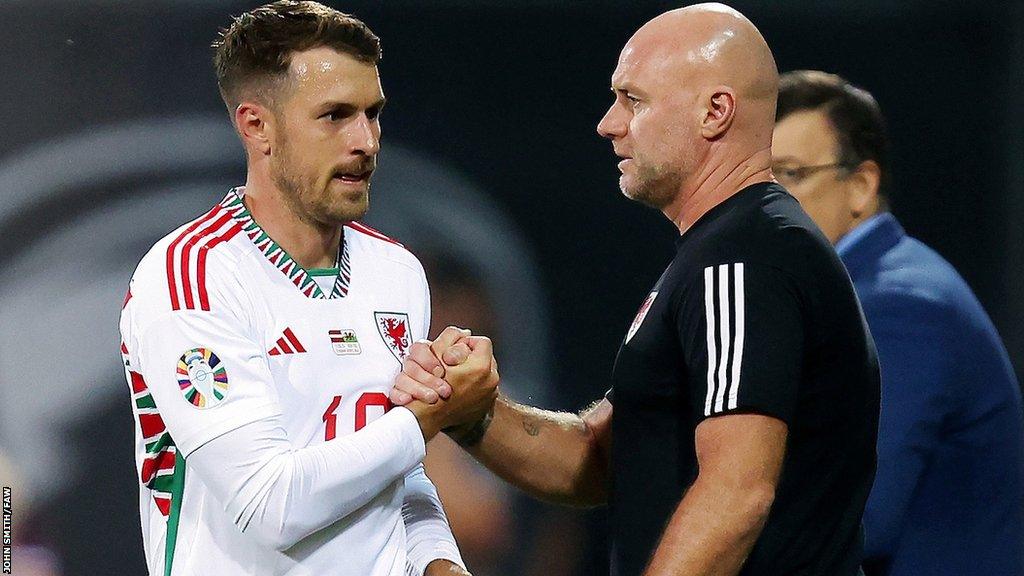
(177, 489)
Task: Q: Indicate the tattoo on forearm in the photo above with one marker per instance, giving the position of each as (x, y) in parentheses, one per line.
(532, 428)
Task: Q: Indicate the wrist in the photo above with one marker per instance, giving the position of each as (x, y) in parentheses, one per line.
(471, 434)
(426, 417)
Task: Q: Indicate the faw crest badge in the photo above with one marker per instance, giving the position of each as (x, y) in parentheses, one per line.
(640, 315)
(394, 330)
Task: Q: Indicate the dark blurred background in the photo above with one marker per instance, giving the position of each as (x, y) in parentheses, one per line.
(114, 133)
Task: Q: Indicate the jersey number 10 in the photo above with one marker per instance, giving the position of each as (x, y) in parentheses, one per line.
(365, 401)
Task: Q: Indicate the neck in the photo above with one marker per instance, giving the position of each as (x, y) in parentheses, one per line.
(715, 183)
(856, 221)
(311, 244)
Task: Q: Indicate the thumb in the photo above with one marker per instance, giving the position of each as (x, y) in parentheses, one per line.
(456, 355)
(481, 343)
(447, 338)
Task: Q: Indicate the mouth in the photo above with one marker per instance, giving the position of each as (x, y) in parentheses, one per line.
(623, 162)
(357, 177)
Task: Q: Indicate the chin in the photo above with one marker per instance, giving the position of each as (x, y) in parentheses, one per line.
(340, 206)
(646, 195)
(632, 190)
(628, 187)
(349, 211)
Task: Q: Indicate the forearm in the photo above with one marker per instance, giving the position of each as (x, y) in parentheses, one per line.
(712, 531)
(553, 456)
(280, 495)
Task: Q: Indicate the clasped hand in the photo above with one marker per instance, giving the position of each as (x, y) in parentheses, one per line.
(450, 383)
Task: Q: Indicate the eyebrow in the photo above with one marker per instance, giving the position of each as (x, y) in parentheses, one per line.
(350, 107)
(628, 88)
(785, 159)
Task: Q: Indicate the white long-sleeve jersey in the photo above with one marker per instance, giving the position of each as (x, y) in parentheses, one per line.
(265, 443)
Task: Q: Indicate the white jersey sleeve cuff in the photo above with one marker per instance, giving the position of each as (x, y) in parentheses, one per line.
(409, 428)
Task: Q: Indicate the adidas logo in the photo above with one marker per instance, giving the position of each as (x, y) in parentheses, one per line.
(287, 344)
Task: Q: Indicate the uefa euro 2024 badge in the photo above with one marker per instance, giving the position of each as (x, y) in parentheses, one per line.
(202, 378)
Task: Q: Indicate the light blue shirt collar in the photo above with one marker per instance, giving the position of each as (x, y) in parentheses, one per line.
(854, 236)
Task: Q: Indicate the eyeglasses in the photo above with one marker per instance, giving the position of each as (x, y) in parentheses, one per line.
(791, 175)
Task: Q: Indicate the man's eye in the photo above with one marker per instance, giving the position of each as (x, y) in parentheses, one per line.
(335, 115)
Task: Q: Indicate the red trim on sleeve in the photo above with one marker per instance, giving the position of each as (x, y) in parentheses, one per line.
(164, 504)
(171, 283)
(186, 253)
(138, 384)
(151, 424)
(204, 300)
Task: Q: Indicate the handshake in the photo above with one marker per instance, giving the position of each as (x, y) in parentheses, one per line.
(449, 384)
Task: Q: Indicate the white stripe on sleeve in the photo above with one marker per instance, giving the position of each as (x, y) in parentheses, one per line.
(723, 372)
(726, 332)
(709, 313)
(737, 352)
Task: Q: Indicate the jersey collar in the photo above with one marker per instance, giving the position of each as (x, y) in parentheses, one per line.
(281, 260)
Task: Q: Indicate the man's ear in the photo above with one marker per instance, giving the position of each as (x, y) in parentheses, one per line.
(863, 184)
(255, 125)
(719, 112)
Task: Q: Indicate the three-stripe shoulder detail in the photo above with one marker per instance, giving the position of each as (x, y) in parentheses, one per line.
(724, 302)
(186, 258)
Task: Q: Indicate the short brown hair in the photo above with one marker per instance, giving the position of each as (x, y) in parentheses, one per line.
(853, 113)
(256, 49)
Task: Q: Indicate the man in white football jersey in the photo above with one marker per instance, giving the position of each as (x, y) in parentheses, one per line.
(260, 340)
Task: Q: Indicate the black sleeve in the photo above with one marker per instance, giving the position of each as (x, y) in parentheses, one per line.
(743, 338)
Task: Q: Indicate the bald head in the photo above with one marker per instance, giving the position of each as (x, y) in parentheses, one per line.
(706, 46)
(695, 93)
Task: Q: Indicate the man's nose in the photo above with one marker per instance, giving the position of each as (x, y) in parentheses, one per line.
(364, 136)
(613, 125)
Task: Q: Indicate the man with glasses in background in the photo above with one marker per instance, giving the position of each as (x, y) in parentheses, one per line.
(948, 496)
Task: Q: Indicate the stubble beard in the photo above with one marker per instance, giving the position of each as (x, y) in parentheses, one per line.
(307, 199)
(654, 187)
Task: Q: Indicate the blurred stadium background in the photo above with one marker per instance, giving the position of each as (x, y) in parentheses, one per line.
(113, 134)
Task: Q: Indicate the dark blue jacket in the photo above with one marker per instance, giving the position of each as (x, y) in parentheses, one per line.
(948, 497)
